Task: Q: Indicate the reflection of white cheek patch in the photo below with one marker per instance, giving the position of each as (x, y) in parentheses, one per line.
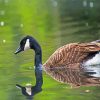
(28, 91)
(27, 45)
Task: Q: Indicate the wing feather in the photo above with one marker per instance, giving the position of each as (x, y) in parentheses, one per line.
(64, 64)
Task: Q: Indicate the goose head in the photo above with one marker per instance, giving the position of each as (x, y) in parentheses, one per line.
(25, 44)
(28, 42)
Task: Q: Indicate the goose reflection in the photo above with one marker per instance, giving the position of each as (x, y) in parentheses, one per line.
(80, 76)
(93, 71)
(29, 91)
(71, 64)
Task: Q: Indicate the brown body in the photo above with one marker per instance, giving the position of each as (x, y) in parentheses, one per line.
(65, 63)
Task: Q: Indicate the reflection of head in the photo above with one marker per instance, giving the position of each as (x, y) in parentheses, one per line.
(29, 90)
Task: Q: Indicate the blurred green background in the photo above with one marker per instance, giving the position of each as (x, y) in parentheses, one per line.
(53, 23)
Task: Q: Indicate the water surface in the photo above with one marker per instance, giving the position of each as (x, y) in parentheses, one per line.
(53, 23)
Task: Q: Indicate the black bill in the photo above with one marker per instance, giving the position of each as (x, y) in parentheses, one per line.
(18, 50)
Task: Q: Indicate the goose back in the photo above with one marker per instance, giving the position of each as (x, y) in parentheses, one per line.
(64, 64)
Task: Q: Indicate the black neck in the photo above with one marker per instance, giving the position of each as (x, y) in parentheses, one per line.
(38, 52)
(38, 57)
(38, 63)
(38, 68)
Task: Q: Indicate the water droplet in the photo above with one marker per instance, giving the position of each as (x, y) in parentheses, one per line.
(2, 23)
(91, 4)
(21, 25)
(4, 41)
(84, 3)
(54, 3)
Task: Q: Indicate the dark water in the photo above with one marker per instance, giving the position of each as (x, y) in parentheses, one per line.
(53, 23)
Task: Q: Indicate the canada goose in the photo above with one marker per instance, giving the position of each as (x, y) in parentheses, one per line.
(65, 63)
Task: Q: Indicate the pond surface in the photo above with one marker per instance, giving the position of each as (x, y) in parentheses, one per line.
(53, 23)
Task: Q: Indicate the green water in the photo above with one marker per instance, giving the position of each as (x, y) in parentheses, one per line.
(53, 23)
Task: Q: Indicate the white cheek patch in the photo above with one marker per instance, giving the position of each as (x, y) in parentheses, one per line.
(28, 91)
(27, 45)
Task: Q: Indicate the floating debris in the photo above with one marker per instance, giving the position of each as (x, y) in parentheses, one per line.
(2, 23)
(87, 91)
